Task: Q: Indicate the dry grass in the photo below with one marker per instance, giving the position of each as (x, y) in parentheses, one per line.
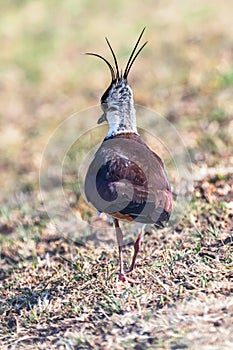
(70, 294)
(59, 291)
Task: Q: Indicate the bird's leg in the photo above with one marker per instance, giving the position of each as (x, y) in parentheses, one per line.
(120, 243)
(119, 235)
(137, 245)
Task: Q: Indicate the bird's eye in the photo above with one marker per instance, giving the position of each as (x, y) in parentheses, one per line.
(104, 106)
(112, 109)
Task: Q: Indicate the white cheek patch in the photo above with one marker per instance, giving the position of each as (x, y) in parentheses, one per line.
(113, 120)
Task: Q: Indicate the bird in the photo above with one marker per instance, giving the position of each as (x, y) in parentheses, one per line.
(126, 179)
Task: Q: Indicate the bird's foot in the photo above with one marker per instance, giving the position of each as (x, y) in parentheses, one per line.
(123, 278)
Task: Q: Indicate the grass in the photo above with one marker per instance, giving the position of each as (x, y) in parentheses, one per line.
(59, 289)
(185, 288)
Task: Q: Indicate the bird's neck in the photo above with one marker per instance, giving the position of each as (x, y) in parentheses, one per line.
(122, 119)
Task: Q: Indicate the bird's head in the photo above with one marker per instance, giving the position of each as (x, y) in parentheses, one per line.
(119, 94)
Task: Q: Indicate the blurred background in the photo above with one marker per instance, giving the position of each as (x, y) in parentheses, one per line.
(184, 73)
(58, 289)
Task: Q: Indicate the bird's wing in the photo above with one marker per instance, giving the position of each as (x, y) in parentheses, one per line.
(129, 179)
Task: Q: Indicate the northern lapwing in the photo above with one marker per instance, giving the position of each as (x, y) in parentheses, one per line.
(126, 179)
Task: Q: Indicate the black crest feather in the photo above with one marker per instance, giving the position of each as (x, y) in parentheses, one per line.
(115, 74)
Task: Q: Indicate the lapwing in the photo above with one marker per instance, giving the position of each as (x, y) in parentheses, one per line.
(126, 179)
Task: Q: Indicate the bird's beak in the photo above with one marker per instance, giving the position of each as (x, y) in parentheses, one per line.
(102, 118)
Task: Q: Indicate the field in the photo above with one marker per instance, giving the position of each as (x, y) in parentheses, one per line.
(59, 283)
